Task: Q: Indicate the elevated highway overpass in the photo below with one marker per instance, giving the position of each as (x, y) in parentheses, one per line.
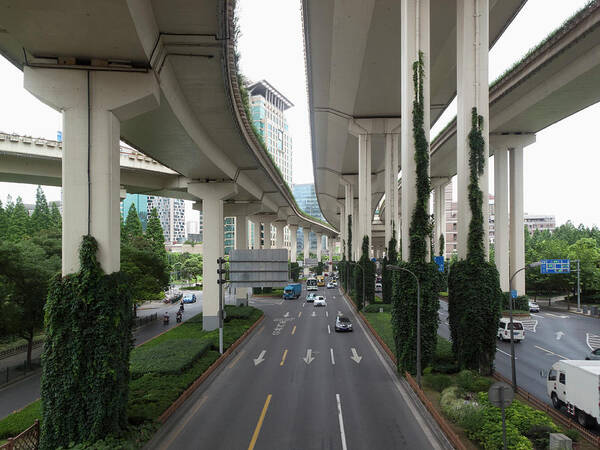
(161, 76)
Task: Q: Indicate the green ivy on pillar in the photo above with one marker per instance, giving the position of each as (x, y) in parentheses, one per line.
(85, 375)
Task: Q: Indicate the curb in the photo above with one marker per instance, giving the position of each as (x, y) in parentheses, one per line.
(442, 423)
(196, 384)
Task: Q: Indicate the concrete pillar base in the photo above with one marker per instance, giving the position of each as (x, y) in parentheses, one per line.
(210, 323)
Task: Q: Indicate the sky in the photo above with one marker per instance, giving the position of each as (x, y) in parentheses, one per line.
(271, 46)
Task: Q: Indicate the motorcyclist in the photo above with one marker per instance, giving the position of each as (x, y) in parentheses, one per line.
(179, 316)
(166, 317)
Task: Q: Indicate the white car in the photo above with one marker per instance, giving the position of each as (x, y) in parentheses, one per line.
(320, 301)
(310, 297)
(378, 287)
(533, 306)
(504, 330)
(330, 285)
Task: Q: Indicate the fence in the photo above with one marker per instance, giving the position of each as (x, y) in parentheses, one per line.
(37, 342)
(557, 416)
(18, 371)
(27, 440)
(139, 321)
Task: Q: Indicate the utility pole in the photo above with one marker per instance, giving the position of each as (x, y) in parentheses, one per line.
(578, 290)
(220, 282)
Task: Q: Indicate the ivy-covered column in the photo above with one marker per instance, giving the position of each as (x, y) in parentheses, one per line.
(472, 30)
(439, 215)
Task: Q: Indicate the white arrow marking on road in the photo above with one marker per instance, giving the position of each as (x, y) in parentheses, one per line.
(355, 356)
(287, 314)
(309, 358)
(313, 314)
(260, 358)
(303, 304)
(558, 335)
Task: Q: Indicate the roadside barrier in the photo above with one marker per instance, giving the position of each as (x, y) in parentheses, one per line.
(27, 440)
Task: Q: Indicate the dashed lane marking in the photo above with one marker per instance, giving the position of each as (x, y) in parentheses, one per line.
(283, 357)
(294, 329)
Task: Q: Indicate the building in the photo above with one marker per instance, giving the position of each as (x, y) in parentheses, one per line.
(267, 108)
(539, 222)
(171, 213)
(306, 199)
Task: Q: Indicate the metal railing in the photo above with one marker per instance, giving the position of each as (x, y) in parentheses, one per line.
(139, 321)
(27, 440)
(37, 342)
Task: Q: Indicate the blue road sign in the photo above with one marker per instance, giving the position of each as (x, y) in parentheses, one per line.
(554, 266)
(374, 259)
(513, 293)
(439, 260)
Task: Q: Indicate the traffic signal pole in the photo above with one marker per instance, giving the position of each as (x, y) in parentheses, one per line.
(220, 282)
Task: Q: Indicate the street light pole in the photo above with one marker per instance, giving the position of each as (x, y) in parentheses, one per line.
(398, 268)
(513, 367)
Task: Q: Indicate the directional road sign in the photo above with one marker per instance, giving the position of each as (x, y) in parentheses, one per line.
(553, 266)
(439, 260)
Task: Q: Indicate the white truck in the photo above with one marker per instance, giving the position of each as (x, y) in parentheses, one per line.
(576, 385)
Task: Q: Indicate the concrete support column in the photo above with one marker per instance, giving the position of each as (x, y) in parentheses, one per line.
(267, 234)
(414, 39)
(319, 246)
(364, 187)
(439, 213)
(306, 250)
(279, 226)
(241, 243)
(501, 227)
(472, 92)
(356, 238)
(343, 226)
(293, 242)
(517, 238)
(391, 185)
(256, 234)
(212, 195)
(93, 104)
(349, 211)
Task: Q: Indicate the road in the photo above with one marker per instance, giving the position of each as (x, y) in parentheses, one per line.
(549, 337)
(296, 384)
(17, 395)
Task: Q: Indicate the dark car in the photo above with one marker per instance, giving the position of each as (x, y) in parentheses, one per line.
(343, 324)
(190, 298)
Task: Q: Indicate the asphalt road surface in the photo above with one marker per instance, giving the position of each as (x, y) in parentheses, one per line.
(549, 337)
(297, 384)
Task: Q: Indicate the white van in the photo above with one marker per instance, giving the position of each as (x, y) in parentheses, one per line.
(504, 330)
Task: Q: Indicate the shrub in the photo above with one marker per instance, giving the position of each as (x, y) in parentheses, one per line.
(169, 357)
(437, 381)
(472, 382)
(374, 308)
(443, 359)
(238, 312)
(539, 435)
(572, 434)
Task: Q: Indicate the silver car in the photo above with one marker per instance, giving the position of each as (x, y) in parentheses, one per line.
(594, 355)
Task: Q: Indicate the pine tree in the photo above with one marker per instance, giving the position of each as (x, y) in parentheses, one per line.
(133, 225)
(154, 233)
(40, 219)
(3, 223)
(18, 222)
(55, 218)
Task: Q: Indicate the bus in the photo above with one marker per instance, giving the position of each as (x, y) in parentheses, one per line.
(311, 284)
(320, 281)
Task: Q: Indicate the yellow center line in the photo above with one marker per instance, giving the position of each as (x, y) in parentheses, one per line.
(283, 358)
(294, 329)
(237, 358)
(260, 422)
(300, 313)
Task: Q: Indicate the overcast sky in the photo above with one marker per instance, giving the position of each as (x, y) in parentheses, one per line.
(565, 154)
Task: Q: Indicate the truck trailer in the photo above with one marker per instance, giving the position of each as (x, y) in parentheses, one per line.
(575, 384)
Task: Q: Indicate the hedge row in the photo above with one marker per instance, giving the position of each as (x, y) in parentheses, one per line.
(169, 357)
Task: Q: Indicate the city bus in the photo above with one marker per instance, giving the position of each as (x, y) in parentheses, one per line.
(320, 281)
(311, 284)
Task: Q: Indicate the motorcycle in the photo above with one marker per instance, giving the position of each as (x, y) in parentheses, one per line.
(179, 317)
(166, 319)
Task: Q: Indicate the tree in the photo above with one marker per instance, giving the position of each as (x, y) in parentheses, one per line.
(146, 272)
(192, 267)
(474, 295)
(154, 234)
(40, 218)
(133, 226)
(319, 268)
(55, 218)
(364, 270)
(25, 272)
(19, 225)
(294, 270)
(3, 223)
(387, 277)
(404, 300)
(587, 252)
(350, 237)
(442, 244)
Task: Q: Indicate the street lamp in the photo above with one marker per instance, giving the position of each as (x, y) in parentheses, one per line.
(398, 268)
(510, 312)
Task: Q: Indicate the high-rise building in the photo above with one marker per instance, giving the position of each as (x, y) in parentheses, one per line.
(171, 213)
(267, 108)
(141, 205)
(306, 198)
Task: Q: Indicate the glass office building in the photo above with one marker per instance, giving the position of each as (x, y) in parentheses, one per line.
(307, 201)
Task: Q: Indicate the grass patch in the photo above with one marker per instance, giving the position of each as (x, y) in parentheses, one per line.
(375, 307)
(152, 391)
(382, 323)
(443, 294)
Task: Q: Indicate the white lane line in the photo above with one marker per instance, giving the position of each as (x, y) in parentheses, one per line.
(550, 352)
(328, 329)
(341, 420)
(332, 358)
(327, 313)
(536, 315)
(503, 352)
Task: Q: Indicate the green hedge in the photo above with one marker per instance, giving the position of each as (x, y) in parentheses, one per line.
(238, 312)
(169, 357)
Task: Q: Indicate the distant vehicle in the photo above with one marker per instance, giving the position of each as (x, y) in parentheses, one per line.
(576, 385)
(378, 287)
(310, 297)
(595, 355)
(504, 330)
(330, 285)
(533, 306)
(189, 298)
(343, 324)
(320, 280)
(292, 291)
(335, 283)
(320, 301)
(311, 284)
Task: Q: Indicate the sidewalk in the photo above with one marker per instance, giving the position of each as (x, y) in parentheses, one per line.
(561, 305)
